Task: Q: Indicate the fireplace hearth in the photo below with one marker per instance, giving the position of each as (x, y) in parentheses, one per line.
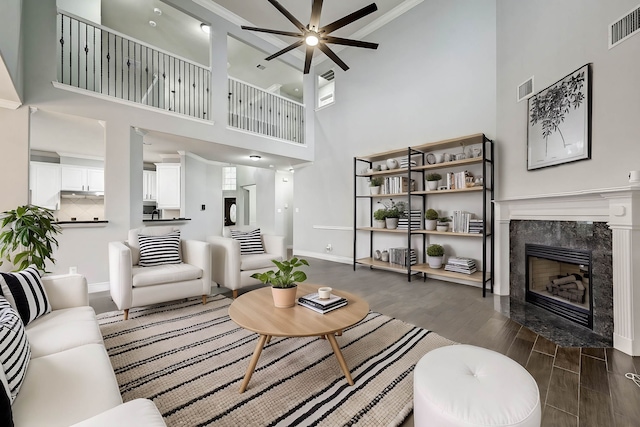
(559, 280)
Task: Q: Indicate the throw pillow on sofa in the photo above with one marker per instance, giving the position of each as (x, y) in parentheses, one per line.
(250, 241)
(15, 354)
(25, 293)
(158, 250)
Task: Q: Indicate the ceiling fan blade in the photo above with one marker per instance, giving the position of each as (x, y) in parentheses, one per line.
(285, 50)
(349, 18)
(289, 16)
(349, 42)
(265, 30)
(314, 22)
(324, 48)
(307, 59)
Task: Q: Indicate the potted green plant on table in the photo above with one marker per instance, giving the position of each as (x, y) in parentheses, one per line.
(27, 237)
(432, 180)
(375, 184)
(284, 281)
(430, 219)
(435, 254)
(443, 224)
(379, 218)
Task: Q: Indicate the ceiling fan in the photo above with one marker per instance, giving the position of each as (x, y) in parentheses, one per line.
(313, 35)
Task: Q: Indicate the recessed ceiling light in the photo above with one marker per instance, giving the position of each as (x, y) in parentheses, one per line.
(270, 166)
(206, 28)
(157, 11)
(297, 90)
(255, 158)
(152, 23)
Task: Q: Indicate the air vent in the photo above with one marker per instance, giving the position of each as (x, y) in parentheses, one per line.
(624, 27)
(328, 75)
(525, 90)
(260, 67)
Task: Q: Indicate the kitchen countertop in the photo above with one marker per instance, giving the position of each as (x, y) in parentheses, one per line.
(166, 220)
(78, 224)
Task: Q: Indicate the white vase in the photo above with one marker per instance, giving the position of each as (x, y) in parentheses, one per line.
(392, 223)
(430, 224)
(434, 261)
(442, 227)
(392, 164)
(375, 190)
(379, 223)
(432, 185)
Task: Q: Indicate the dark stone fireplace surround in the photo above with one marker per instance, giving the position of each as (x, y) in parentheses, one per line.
(593, 236)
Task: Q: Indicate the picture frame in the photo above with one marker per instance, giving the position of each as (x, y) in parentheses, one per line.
(559, 121)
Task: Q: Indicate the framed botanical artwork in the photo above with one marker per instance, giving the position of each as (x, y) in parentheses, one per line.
(559, 122)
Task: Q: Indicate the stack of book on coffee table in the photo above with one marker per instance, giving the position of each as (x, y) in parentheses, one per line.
(315, 303)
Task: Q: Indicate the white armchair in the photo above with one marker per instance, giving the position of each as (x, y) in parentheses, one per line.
(233, 271)
(132, 285)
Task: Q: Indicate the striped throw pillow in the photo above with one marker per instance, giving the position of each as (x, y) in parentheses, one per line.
(15, 351)
(25, 293)
(158, 250)
(250, 241)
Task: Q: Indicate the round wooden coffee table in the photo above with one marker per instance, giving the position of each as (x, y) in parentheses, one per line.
(255, 311)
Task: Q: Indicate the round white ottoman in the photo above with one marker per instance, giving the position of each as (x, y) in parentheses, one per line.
(464, 385)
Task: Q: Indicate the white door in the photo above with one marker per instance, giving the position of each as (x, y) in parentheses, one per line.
(45, 185)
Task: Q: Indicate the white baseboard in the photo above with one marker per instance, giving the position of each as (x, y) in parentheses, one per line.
(98, 287)
(324, 256)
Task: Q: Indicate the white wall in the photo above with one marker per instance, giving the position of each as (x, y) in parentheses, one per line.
(433, 77)
(88, 9)
(11, 50)
(203, 186)
(550, 39)
(284, 206)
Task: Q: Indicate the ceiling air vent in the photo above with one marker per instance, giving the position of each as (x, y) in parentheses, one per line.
(525, 90)
(328, 75)
(624, 27)
(260, 67)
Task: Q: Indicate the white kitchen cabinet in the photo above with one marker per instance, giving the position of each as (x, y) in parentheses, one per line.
(149, 188)
(168, 185)
(81, 178)
(44, 184)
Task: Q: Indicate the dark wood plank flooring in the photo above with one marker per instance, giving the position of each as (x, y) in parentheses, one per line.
(579, 387)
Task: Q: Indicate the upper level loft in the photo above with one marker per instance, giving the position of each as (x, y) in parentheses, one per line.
(142, 67)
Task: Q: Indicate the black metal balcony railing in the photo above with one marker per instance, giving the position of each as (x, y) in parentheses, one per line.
(254, 110)
(101, 60)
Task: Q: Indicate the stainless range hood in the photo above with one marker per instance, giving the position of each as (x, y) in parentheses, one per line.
(95, 195)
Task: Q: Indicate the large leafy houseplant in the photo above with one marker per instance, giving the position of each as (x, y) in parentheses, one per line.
(27, 237)
(287, 276)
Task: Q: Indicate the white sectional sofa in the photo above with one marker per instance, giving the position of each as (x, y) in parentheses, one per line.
(69, 379)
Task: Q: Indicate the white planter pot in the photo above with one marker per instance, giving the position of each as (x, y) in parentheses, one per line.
(432, 185)
(434, 261)
(442, 227)
(379, 223)
(392, 223)
(375, 190)
(430, 224)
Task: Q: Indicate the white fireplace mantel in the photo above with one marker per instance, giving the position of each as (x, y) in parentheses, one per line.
(620, 209)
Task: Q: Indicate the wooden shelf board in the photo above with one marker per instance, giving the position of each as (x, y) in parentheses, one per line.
(457, 190)
(384, 230)
(447, 233)
(381, 264)
(424, 268)
(443, 165)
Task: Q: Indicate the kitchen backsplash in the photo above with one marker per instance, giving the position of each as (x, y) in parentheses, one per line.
(80, 209)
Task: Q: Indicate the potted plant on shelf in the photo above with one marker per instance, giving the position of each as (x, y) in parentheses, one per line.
(443, 224)
(392, 215)
(28, 237)
(375, 184)
(435, 253)
(430, 219)
(379, 218)
(432, 180)
(284, 281)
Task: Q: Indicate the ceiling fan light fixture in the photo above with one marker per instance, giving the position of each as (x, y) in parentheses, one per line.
(255, 158)
(205, 28)
(311, 40)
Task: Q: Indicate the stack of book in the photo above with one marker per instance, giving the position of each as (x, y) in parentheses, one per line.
(402, 256)
(475, 226)
(416, 220)
(460, 221)
(461, 265)
(404, 163)
(315, 303)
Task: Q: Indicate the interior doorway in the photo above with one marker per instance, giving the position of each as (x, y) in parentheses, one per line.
(230, 211)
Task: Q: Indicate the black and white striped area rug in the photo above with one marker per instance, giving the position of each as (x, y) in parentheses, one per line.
(190, 359)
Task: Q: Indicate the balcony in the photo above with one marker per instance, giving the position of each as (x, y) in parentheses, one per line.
(100, 60)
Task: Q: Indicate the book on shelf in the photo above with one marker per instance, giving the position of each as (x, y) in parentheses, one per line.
(402, 256)
(461, 261)
(323, 310)
(461, 265)
(416, 220)
(457, 269)
(315, 300)
(398, 184)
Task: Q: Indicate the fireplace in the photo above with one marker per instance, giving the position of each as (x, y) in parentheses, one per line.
(559, 280)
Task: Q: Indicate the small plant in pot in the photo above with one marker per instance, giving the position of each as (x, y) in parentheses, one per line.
(430, 219)
(284, 282)
(432, 180)
(379, 218)
(443, 224)
(392, 217)
(28, 237)
(435, 253)
(375, 184)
